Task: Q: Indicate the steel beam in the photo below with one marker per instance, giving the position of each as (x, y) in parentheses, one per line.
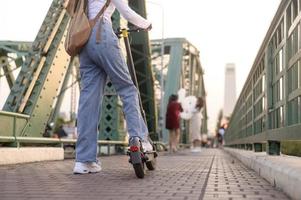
(141, 52)
(19, 50)
(183, 70)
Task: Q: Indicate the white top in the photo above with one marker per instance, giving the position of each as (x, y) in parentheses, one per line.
(122, 7)
(195, 125)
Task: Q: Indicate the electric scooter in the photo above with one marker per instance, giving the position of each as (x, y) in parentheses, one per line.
(138, 157)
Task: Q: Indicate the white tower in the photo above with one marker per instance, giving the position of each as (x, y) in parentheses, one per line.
(230, 89)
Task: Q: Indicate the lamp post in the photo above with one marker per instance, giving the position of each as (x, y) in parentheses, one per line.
(161, 118)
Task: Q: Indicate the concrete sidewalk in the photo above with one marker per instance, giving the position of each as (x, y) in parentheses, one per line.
(211, 174)
(281, 171)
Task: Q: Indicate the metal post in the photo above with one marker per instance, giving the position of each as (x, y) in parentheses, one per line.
(162, 89)
(258, 147)
(109, 149)
(273, 148)
(161, 122)
(132, 69)
(162, 79)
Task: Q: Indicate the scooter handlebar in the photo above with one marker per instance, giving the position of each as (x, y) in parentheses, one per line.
(120, 31)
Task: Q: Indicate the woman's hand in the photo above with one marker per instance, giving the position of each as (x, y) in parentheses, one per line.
(65, 4)
(149, 27)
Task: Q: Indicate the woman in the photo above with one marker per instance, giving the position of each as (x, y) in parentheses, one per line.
(97, 62)
(173, 122)
(195, 124)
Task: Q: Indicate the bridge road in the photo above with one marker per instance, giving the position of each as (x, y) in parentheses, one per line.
(211, 174)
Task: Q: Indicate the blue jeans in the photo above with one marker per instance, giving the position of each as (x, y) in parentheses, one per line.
(97, 61)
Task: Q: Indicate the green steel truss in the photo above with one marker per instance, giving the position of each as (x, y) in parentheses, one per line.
(112, 126)
(268, 110)
(37, 93)
(112, 123)
(182, 69)
(19, 51)
(40, 79)
(141, 52)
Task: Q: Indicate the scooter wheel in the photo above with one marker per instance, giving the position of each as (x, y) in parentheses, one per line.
(151, 165)
(139, 170)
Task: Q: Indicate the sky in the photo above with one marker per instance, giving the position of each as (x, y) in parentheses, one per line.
(224, 31)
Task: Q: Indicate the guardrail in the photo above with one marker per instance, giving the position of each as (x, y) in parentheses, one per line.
(267, 114)
(18, 141)
(11, 133)
(160, 146)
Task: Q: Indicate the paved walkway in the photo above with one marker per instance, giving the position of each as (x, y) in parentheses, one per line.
(211, 174)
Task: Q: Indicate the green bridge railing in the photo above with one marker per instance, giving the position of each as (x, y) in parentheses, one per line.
(267, 114)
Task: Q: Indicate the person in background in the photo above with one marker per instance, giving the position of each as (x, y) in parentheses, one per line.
(195, 124)
(221, 134)
(60, 132)
(173, 122)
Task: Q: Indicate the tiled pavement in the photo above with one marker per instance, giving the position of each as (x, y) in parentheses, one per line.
(210, 175)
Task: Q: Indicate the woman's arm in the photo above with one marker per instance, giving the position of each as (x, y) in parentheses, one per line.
(131, 15)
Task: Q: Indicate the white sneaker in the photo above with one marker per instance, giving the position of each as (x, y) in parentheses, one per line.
(195, 149)
(147, 146)
(85, 168)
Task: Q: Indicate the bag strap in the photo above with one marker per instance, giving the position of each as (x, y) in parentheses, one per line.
(82, 5)
(93, 21)
(71, 6)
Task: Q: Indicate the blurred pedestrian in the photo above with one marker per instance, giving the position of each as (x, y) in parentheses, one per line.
(173, 122)
(60, 132)
(195, 124)
(220, 135)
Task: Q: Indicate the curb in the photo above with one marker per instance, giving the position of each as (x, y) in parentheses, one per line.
(30, 154)
(283, 172)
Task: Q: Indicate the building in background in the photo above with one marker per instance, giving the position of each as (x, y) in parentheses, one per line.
(230, 90)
